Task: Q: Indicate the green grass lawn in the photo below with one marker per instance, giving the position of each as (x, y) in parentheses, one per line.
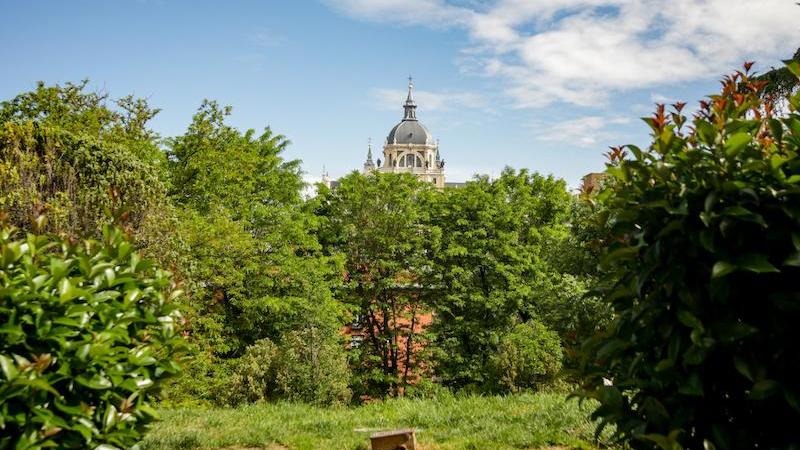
(513, 422)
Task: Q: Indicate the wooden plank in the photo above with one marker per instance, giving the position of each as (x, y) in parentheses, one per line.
(394, 440)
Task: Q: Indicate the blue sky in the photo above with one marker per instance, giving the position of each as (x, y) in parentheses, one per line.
(542, 84)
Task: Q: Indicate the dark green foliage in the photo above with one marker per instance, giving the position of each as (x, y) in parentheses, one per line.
(87, 337)
(254, 266)
(781, 82)
(579, 253)
(378, 223)
(493, 269)
(566, 304)
(702, 277)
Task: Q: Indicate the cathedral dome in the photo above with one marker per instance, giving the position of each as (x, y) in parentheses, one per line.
(410, 130)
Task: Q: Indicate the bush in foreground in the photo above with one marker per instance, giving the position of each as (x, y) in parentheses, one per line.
(703, 350)
(87, 336)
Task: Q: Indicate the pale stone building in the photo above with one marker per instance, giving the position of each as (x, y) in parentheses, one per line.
(410, 148)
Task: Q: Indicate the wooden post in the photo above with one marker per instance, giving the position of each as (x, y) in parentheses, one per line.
(394, 440)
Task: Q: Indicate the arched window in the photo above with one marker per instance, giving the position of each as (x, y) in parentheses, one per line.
(411, 160)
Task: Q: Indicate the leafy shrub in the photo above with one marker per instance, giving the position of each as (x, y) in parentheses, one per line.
(87, 337)
(253, 377)
(426, 388)
(564, 305)
(201, 379)
(74, 179)
(312, 367)
(528, 356)
(703, 278)
(308, 365)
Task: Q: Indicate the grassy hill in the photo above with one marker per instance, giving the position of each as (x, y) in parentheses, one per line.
(525, 421)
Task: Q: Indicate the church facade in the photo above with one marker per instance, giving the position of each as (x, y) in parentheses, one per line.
(410, 148)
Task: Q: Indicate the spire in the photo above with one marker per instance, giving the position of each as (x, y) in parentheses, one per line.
(410, 107)
(369, 165)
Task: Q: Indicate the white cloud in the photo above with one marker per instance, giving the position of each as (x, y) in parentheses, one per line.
(585, 51)
(435, 13)
(267, 39)
(393, 99)
(655, 97)
(583, 132)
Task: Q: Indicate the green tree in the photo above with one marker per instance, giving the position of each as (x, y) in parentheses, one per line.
(490, 267)
(566, 299)
(66, 153)
(214, 164)
(256, 268)
(76, 180)
(379, 224)
(82, 159)
(74, 108)
(580, 251)
(701, 274)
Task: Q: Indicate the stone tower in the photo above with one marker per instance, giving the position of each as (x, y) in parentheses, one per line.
(410, 148)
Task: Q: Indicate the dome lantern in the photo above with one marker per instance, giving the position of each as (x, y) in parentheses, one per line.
(410, 130)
